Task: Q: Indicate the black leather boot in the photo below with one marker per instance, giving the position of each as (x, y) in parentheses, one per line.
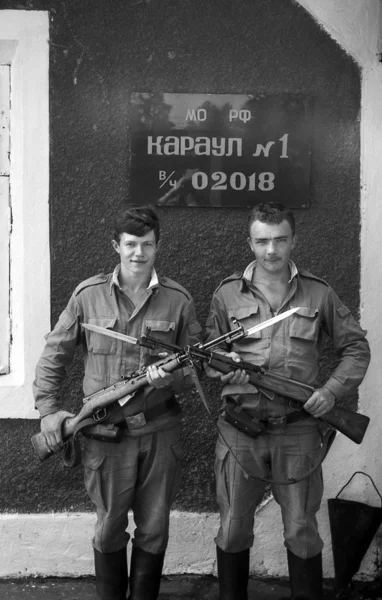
(145, 574)
(111, 574)
(305, 577)
(233, 572)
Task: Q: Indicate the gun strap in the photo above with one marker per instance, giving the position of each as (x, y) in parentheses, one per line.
(327, 440)
(72, 448)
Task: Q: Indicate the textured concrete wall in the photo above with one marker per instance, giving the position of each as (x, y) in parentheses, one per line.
(100, 52)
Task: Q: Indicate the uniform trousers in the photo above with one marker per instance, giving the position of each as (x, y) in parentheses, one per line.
(280, 455)
(141, 474)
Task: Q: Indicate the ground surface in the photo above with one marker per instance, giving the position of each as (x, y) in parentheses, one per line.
(184, 587)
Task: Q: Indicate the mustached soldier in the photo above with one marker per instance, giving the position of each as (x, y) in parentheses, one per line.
(291, 443)
(142, 471)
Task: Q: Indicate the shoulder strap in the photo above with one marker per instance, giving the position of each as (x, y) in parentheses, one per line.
(96, 280)
(234, 277)
(309, 275)
(170, 283)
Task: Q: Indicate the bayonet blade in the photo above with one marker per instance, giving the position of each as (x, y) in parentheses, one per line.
(111, 333)
(133, 340)
(271, 321)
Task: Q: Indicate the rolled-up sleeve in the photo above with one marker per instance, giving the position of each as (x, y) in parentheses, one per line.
(56, 357)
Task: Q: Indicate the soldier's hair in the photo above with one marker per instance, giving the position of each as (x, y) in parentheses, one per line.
(273, 214)
(137, 220)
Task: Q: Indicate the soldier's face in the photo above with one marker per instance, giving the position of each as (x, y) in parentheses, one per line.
(137, 254)
(272, 245)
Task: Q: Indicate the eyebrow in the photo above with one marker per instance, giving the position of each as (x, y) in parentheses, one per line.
(280, 237)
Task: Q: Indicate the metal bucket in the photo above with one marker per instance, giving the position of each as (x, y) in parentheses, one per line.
(353, 526)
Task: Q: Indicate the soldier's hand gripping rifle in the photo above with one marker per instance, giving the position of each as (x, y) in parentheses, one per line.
(95, 406)
(350, 423)
(94, 409)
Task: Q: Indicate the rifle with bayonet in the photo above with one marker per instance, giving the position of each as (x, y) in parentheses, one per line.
(353, 425)
(348, 422)
(96, 405)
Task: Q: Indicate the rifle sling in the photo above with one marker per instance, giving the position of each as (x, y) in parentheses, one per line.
(72, 448)
(327, 440)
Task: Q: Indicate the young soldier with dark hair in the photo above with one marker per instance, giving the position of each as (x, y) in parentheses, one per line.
(142, 471)
(291, 441)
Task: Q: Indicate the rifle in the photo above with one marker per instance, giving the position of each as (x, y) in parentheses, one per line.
(348, 422)
(95, 406)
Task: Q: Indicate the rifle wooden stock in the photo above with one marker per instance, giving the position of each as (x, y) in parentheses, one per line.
(99, 400)
(350, 423)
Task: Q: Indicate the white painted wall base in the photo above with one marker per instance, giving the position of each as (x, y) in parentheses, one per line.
(59, 545)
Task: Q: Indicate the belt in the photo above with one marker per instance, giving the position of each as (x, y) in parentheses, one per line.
(139, 420)
(110, 417)
(277, 422)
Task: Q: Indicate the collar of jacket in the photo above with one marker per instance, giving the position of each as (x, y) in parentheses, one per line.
(246, 278)
(154, 281)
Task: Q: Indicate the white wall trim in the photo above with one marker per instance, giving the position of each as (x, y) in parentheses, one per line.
(59, 545)
(24, 37)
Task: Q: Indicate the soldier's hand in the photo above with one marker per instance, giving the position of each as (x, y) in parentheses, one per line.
(51, 428)
(238, 377)
(158, 378)
(320, 402)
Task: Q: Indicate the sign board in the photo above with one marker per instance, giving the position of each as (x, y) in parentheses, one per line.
(222, 150)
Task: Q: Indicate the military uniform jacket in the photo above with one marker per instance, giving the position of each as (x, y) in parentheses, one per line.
(167, 310)
(292, 347)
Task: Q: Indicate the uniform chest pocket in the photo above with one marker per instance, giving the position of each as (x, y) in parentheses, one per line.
(304, 324)
(99, 343)
(161, 329)
(247, 316)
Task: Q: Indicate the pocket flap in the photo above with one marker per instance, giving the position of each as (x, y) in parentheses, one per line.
(156, 325)
(98, 343)
(306, 311)
(105, 322)
(244, 311)
(304, 323)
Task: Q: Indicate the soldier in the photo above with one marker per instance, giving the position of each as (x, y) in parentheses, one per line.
(291, 442)
(142, 471)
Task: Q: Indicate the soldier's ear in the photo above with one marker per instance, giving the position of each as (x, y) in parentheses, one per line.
(115, 246)
(294, 241)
